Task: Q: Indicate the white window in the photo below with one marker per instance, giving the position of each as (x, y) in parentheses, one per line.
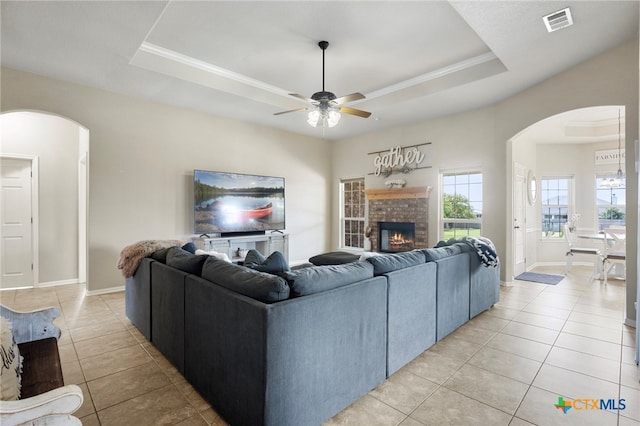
(461, 205)
(611, 202)
(352, 213)
(555, 196)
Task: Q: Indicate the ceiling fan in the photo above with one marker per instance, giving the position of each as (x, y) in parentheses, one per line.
(326, 107)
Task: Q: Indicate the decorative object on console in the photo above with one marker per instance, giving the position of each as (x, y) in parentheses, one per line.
(325, 110)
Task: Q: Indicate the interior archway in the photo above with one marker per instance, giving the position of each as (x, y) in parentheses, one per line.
(564, 145)
(61, 147)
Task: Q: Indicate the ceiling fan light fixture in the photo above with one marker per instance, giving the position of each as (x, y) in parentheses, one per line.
(323, 117)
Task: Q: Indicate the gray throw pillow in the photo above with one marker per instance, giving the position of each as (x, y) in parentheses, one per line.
(315, 279)
(261, 286)
(185, 261)
(273, 264)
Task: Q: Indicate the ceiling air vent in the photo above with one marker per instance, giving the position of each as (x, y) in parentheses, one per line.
(558, 20)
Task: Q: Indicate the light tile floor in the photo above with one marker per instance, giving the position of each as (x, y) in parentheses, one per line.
(508, 366)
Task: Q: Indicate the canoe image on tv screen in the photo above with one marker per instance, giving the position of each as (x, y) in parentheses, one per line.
(235, 203)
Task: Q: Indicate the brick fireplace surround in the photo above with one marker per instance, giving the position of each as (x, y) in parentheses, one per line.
(399, 205)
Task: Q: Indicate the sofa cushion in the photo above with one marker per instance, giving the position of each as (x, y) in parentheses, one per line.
(258, 285)
(11, 368)
(334, 258)
(433, 254)
(160, 255)
(394, 261)
(273, 264)
(316, 279)
(185, 261)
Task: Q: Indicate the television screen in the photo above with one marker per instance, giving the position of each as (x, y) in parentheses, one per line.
(236, 203)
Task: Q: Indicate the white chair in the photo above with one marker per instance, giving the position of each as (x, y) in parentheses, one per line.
(51, 408)
(615, 251)
(573, 250)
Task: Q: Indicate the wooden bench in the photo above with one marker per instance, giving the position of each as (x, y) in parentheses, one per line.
(44, 397)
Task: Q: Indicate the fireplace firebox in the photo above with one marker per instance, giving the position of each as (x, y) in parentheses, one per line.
(396, 237)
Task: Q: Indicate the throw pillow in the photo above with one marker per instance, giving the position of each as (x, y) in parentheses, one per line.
(254, 256)
(11, 368)
(334, 258)
(273, 264)
(185, 261)
(190, 247)
(217, 255)
(264, 287)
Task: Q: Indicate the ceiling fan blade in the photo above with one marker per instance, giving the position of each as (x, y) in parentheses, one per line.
(291, 110)
(304, 98)
(353, 111)
(349, 98)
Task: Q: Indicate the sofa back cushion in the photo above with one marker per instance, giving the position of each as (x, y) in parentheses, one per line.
(394, 261)
(185, 261)
(261, 286)
(433, 254)
(316, 279)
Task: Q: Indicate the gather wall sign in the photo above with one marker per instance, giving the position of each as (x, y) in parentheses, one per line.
(398, 159)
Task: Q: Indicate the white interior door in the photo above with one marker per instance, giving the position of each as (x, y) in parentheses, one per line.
(519, 220)
(16, 264)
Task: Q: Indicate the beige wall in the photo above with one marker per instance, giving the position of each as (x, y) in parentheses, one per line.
(142, 156)
(55, 141)
(481, 138)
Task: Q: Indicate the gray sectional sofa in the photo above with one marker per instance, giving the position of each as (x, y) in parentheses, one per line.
(296, 348)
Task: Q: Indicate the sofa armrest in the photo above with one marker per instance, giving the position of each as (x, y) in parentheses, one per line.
(32, 325)
(51, 408)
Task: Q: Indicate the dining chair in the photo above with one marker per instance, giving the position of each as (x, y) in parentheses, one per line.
(615, 251)
(573, 250)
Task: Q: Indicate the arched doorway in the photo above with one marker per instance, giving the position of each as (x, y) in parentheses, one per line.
(564, 148)
(56, 150)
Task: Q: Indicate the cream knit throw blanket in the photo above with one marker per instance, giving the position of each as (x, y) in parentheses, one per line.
(132, 255)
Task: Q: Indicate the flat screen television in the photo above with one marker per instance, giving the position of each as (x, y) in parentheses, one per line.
(234, 203)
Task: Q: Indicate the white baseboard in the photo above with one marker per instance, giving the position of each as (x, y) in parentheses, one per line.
(105, 291)
(57, 283)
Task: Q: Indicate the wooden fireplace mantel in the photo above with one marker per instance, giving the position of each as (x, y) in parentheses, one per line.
(398, 193)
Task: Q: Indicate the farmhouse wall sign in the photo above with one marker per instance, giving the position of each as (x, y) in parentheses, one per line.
(609, 156)
(399, 159)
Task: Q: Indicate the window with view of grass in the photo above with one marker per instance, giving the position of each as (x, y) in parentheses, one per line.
(352, 201)
(555, 197)
(461, 205)
(611, 202)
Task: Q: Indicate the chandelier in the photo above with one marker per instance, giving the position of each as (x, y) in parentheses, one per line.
(617, 181)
